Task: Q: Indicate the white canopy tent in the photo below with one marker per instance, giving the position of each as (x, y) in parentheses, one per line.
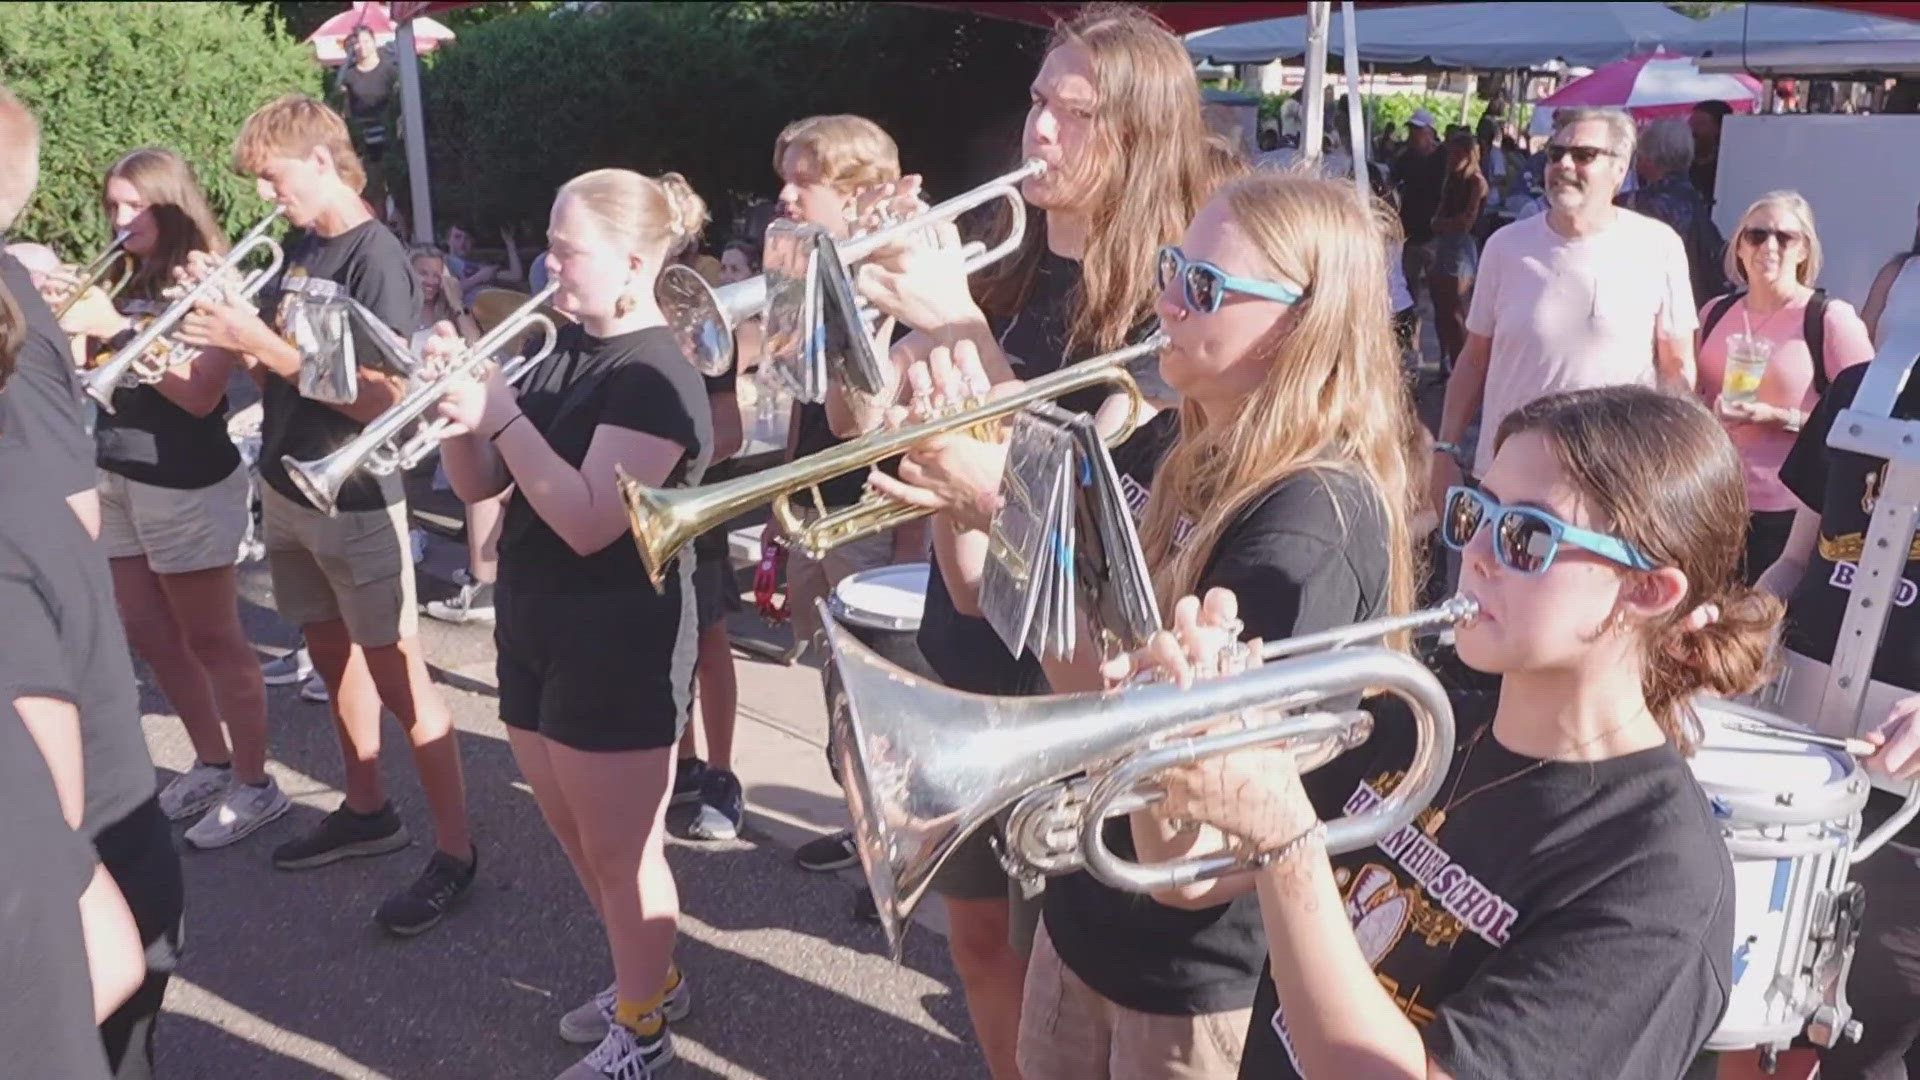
(1773, 26)
(1832, 59)
(1475, 35)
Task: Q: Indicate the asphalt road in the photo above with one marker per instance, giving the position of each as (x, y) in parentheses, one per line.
(285, 976)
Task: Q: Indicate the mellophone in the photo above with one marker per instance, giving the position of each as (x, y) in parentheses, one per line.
(924, 766)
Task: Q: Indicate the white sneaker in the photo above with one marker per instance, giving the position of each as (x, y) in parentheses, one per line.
(315, 690)
(243, 810)
(194, 790)
(291, 668)
(588, 1021)
(623, 1055)
(473, 603)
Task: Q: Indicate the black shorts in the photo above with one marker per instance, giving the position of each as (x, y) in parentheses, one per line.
(138, 854)
(715, 590)
(589, 673)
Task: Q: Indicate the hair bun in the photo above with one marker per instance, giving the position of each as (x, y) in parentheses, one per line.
(1731, 655)
(686, 210)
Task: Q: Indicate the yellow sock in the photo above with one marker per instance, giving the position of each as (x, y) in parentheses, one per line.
(644, 1017)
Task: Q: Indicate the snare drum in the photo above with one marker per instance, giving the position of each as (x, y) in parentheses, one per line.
(882, 608)
(1790, 813)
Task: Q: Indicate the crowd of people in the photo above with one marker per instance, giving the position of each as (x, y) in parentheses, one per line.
(1630, 477)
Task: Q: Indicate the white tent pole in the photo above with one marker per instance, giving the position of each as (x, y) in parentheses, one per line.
(416, 134)
(1356, 104)
(1466, 96)
(1311, 142)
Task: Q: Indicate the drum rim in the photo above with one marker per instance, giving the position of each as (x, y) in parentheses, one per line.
(838, 607)
(1835, 800)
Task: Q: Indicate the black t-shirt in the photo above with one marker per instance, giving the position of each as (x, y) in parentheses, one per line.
(61, 638)
(47, 1027)
(369, 91)
(151, 440)
(1575, 921)
(369, 264)
(816, 434)
(963, 650)
(41, 406)
(1419, 178)
(712, 544)
(1309, 555)
(638, 381)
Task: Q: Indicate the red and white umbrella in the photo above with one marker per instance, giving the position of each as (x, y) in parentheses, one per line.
(1649, 87)
(330, 41)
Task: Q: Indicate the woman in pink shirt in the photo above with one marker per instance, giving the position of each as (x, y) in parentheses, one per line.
(1761, 332)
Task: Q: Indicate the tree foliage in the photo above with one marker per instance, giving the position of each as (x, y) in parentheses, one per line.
(104, 78)
(519, 105)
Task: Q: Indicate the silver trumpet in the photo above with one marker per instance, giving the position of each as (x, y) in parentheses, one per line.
(391, 442)
(703, 318)
(925, 766)
(147, 357)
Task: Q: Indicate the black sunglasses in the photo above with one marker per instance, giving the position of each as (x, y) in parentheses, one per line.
(1582, 155)
(1758, 237)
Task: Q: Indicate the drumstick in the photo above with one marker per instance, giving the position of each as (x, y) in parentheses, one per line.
(1853, 747)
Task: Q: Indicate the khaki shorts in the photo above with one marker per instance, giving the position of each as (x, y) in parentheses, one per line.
(177, 530)
(810, 580)
(352, 567)
(1070, 1032)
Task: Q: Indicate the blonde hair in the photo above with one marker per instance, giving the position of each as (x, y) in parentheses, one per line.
(1333, 396)
(1160, 164)
(172, 193)
(1794, 204)
(291, 126)
(848, 151)
(20, 164)
(653, 215)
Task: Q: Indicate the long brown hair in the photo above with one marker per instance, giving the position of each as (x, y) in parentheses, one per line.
(166, 183)
(1661, 469)
(1160, 164)
(1333, 396)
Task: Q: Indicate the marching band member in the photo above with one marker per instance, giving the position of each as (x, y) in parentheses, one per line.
(173, 506)
(1116, 116)
(42, 409)
(1286, 482)
(1565, 909)
(1837, 492)
(595, 663)
(345, 579)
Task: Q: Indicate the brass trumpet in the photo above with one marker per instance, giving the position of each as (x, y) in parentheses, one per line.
(666, 519)
(384, 446)
(924, 766)
(140, 360)
(90, 275)
(703, 318)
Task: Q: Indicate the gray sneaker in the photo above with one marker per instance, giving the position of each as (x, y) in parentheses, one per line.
(196, 789)
(238, 814)
(587, 1022)
(314, 690)
(473, 603)
(294, 667)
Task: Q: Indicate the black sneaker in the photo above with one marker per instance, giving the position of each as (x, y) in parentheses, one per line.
(425, 902)
(834, 852)
(343, 834)
(722, 808)
(689, 781)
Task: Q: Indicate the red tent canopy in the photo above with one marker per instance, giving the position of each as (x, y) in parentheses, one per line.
(1182, 17)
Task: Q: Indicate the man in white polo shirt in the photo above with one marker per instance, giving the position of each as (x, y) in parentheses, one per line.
(1586, 294)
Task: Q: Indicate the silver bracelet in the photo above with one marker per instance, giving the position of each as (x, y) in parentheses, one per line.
(1267, 858)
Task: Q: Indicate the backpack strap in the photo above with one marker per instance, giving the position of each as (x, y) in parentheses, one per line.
(1814, 330)
(1717, 311)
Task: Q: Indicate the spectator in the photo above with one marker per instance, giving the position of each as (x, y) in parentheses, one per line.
(1587, 294)
(1666, 193)
(1706, 120)
(1417, 176)
(1900, 276)
(1456, 257)
(367, 81)
(1797, 338)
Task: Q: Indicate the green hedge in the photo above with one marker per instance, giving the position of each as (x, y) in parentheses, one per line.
(1392, 111)
(519, 105)
(104, 78)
